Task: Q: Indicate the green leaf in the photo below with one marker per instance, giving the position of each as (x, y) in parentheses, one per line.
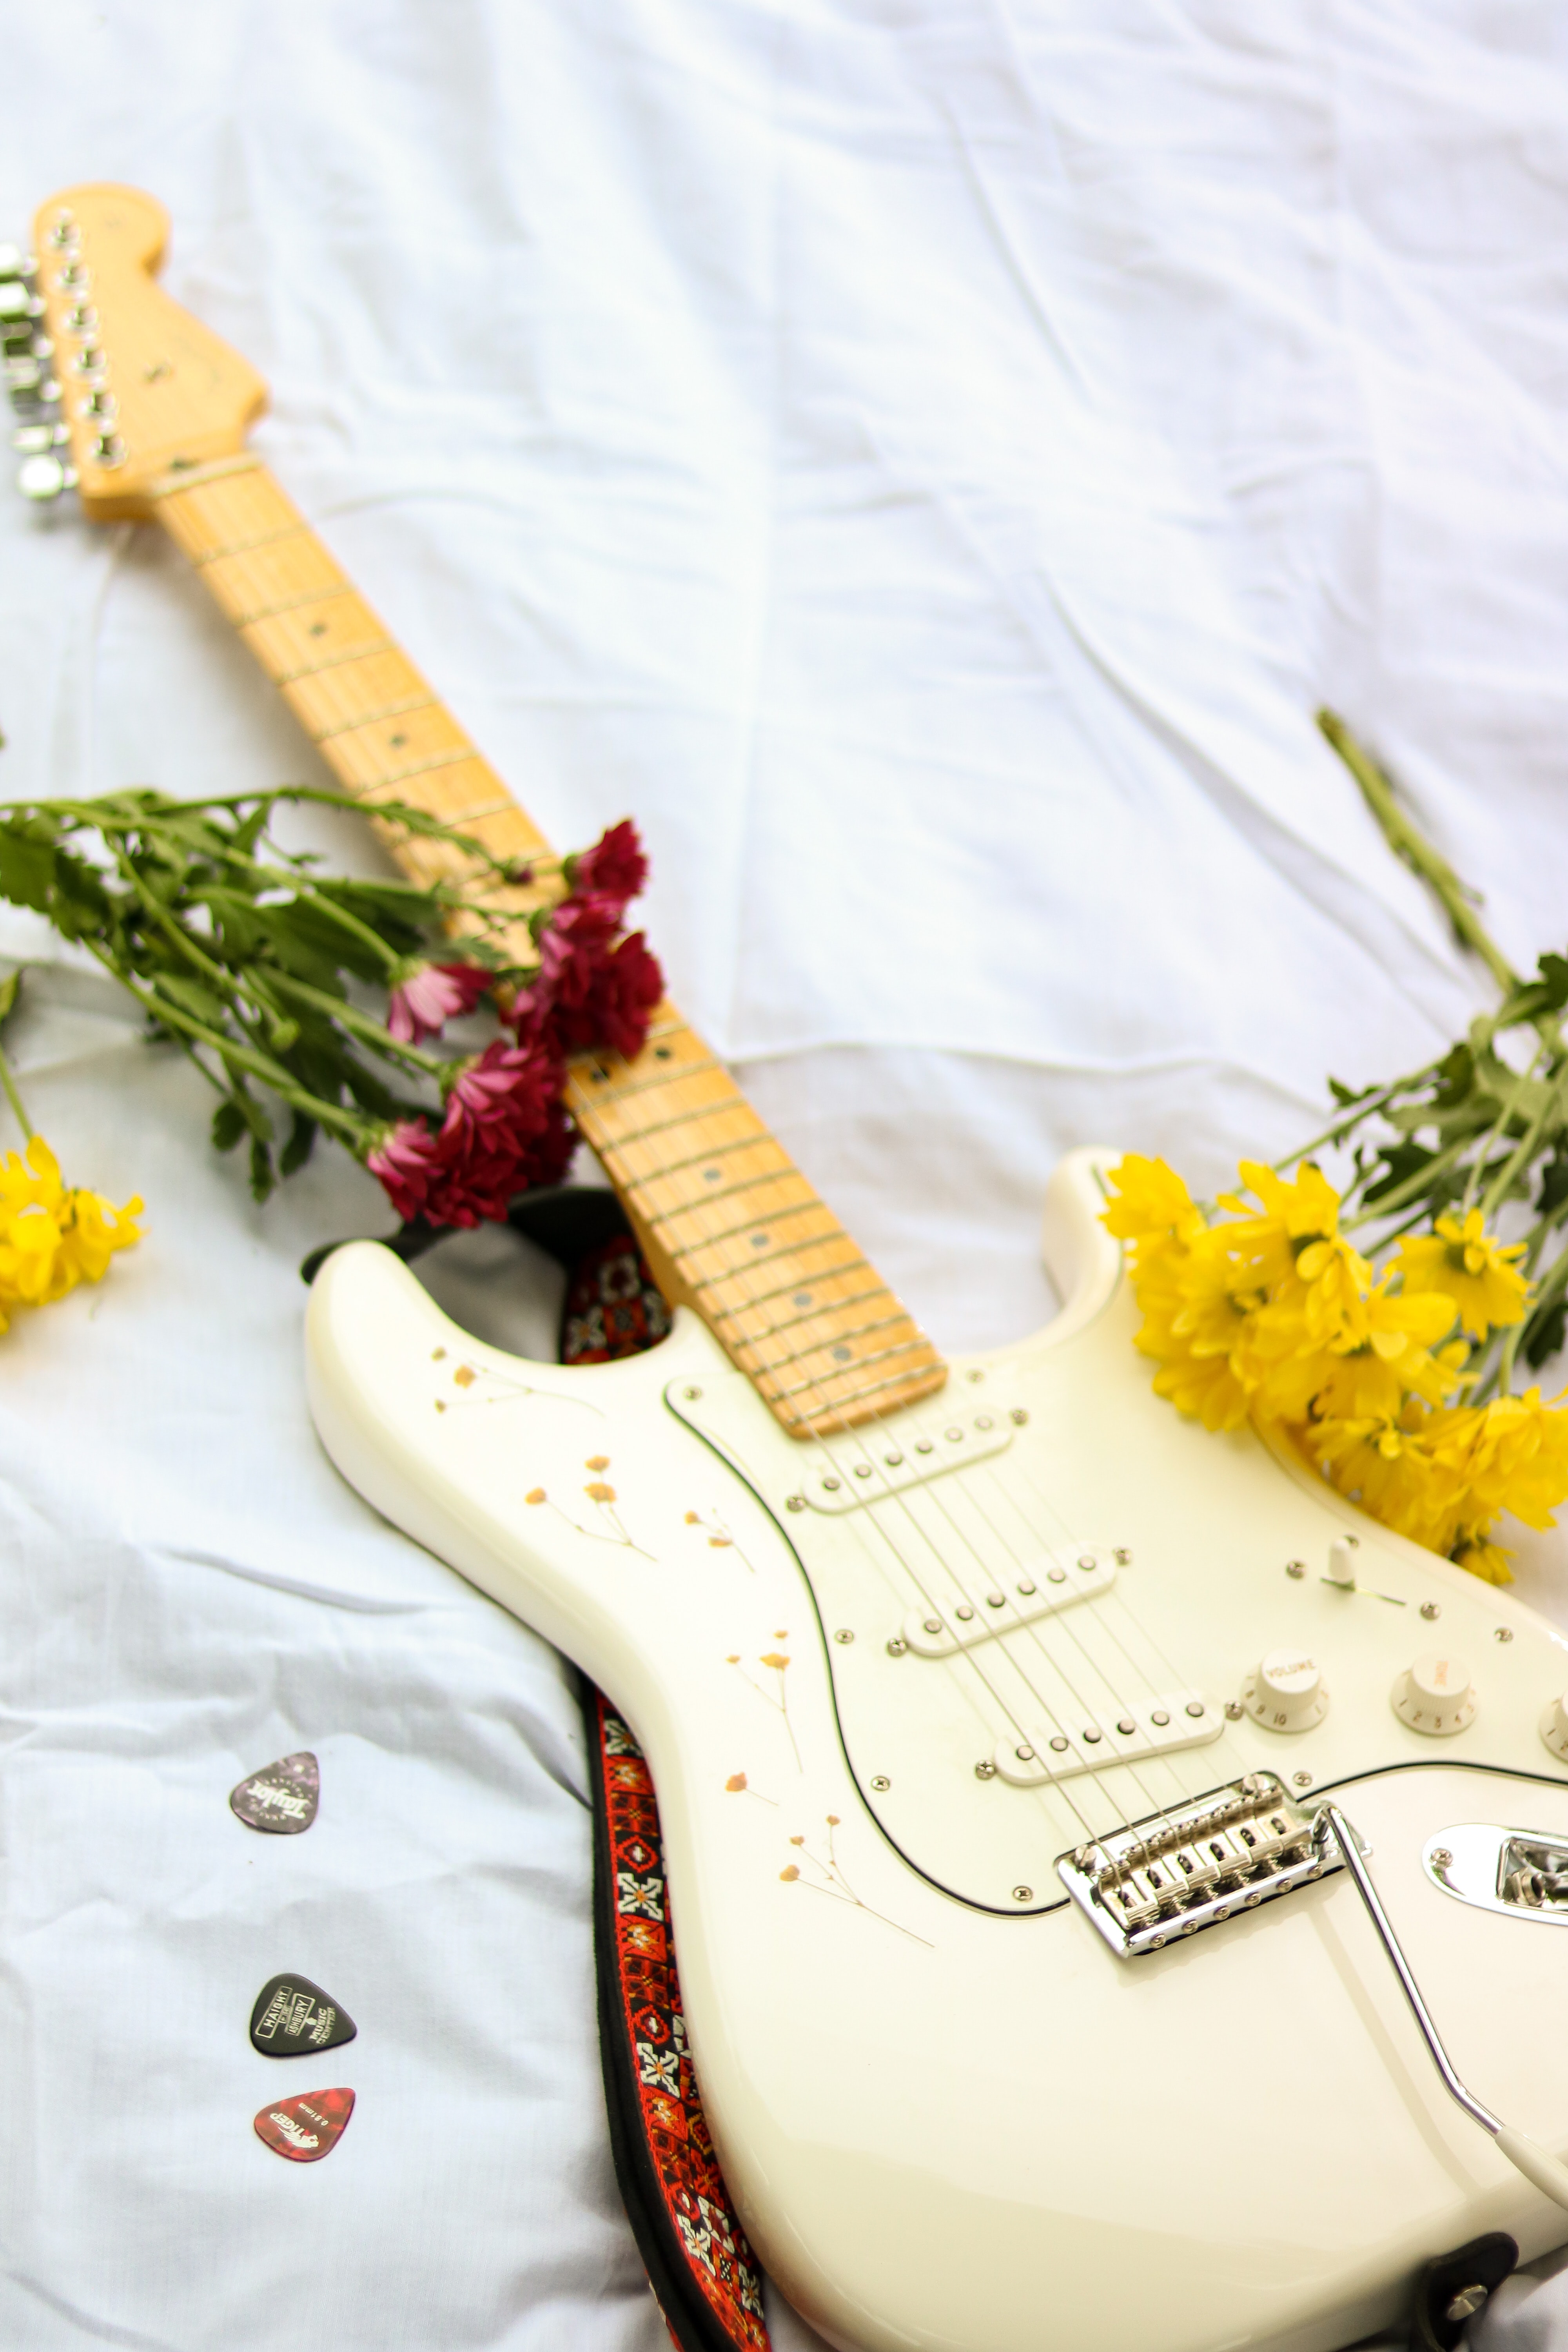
(26, 868)
(229, 1124)
(192, 997)
(301, 1143)
(262, 1180)
(10, 989)
(1545, 1333)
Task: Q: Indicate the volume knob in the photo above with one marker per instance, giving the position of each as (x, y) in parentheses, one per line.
(1436, 1695)
(1285, 1692)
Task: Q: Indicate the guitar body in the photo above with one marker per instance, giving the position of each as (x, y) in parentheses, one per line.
(951, 2116)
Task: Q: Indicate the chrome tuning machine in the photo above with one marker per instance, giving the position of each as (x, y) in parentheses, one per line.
(39, 436)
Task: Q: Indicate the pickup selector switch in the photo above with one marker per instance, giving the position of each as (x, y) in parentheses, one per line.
(1285, 1691)
(1436, 1695)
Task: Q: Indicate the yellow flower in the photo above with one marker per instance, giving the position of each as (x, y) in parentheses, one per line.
(1153, 1209)
(1391, 1466)
(1295, 1217)
(1472, 1267)
(1380, 1354)
(1480, 1558)
(52, 1235)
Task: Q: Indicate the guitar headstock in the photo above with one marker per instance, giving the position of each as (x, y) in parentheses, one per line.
(116, 389)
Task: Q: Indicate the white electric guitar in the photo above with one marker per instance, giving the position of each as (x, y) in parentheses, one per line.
(1113, 1880)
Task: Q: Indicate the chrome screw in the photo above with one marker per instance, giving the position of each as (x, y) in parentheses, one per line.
(1441, 1857)
(1302, 1780)
(794, 1502)
(896, 1646)
(973, 1377)
(692, 1395)
(1017, 1416)
(1429, 1609)
(844, 1635)
(1503, 1633)
(1467, 2303)
(1121, 1556)
(1233, 1710)
(879, 1782)
(1023, 1894)
(985, 1769)
(1295, 1567)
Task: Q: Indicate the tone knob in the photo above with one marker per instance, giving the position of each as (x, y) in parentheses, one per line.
(1554, 1727)
(1285, 1692)
(1435, 1696)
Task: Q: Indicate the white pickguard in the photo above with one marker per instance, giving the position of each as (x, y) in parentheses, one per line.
(948, 2117)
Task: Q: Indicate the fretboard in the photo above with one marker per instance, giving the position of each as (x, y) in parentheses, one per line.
(728, 1225)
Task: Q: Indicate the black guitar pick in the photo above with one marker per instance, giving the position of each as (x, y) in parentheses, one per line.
(292, 2016)
(282, 1797)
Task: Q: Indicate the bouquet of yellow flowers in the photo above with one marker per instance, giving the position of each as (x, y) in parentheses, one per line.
(1388, 1362)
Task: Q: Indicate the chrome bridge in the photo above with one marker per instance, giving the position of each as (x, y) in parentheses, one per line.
(1197, 1862)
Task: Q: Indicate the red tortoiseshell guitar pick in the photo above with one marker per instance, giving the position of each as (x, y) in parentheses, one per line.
(305, 2130)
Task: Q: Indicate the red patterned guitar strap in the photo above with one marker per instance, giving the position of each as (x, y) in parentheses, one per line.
(703, 2273)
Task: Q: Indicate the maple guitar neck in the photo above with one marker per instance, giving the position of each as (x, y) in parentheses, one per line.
(728, 1225)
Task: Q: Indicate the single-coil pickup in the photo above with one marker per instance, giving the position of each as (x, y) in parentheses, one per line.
(956, 1621)
(1155, 1726)
(859, 1470)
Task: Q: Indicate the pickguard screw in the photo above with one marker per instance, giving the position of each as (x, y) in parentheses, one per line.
(692, 1395)
(1017, 1416)
(1295, 1567)
(844, 1635)
(1503, 1633)
(1429, 1609)
(1233, 1710)
(794, 1502)
(985, 1769)
(1441, 1857)
(1302, 1780)
(972, 1377)
(1023, 1894)
(896, 1646)
(880, 1782)
(1121, 1556)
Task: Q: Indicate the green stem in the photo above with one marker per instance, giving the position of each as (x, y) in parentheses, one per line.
(1353, 1114)
(1412, 1187)
(1407, 842)
(14, 1098)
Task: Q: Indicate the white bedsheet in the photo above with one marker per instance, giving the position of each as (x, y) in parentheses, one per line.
(927, 462)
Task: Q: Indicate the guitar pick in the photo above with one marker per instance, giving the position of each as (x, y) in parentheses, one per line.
(282, 1797)
(305, 2130)
(292, 2015)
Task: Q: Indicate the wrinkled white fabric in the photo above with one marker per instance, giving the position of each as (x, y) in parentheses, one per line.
(926, 462)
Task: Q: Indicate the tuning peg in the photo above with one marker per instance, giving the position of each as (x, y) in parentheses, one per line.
(33, 440)
(44, 478)
(23, 375)
(15, 263)
(17, 301)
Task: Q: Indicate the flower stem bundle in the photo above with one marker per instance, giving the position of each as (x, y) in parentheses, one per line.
(1380, 1327)
(323, 999)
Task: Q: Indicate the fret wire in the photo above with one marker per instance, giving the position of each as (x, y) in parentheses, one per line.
(369, 717)
(428, 767)
(683, 1118)
(335, 661)
(837, 1339)
(772, 1257)
(821, 1307)
(706, 1200)
(892, 1380)
(851, 1371)
(728, 1314)
(244, 546)
(748, 1225)
(659, 1079)
(695, 1159)
(293, 604)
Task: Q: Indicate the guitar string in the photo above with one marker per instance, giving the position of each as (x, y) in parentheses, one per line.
(742, 1272)
(879, 1420)
(338, 585)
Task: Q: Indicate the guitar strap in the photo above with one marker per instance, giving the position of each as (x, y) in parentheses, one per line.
(703, 2273)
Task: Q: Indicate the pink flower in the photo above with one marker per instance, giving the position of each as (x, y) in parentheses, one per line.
(504, 1129)
(500, 1102)
(431, 995)
(405, 1163)
(613, 871)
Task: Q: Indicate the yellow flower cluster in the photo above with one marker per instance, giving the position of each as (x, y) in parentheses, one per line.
(1271, 1313)
(53, 1236)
